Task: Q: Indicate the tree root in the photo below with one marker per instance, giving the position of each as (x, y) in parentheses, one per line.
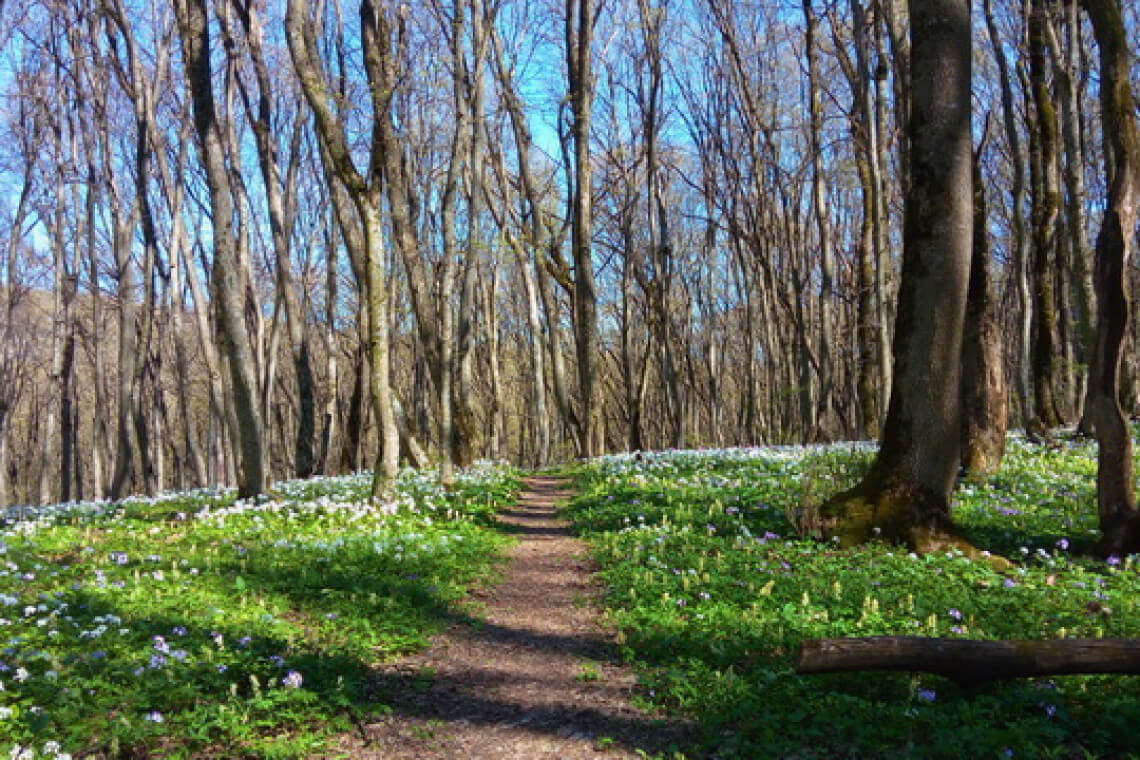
(895, 513)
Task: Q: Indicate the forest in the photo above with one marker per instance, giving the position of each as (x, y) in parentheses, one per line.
(475, 378)
(245, 241)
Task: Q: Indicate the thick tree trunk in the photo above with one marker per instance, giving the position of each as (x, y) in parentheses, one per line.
(970, 662)
(906, 494)
(1116, 500)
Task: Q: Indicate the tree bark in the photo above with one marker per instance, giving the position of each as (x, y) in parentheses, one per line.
(580, 18)
(823, 223)
(906, 493)
(1017, 217)
(364, 189)
(1116, 500)
(984, 416)
(1045, 172)
(280, 194)
(226, 278)
(1076, 222)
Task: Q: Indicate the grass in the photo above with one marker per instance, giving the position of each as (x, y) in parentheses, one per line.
(711, 592)
(191, 625)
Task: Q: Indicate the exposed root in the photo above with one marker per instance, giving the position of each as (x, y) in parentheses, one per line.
(891, 511)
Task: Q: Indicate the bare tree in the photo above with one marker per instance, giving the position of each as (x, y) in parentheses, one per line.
(364, 188)
(1116, 500)
(226, 281)
(1046, 195)
(1020, 235)
(906, 493)
(984, 412)
(279, 179)
(580, 19)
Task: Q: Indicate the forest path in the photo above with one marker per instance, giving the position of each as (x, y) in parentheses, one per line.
(535, 677)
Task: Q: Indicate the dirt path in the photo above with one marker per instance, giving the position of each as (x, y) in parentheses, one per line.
(536, 678)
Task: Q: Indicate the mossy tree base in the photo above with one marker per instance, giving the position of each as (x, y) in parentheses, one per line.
(890, 509)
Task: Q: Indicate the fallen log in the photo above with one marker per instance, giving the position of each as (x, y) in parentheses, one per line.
(970, 662)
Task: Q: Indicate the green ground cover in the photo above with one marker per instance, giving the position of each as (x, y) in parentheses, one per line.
(711, 593)
(192, 625)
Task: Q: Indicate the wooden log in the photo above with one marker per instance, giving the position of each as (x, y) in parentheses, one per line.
(970, 662)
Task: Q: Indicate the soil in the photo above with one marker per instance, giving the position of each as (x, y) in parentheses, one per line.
(534, 675)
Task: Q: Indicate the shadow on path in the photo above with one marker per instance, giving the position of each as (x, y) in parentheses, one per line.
(537, 678)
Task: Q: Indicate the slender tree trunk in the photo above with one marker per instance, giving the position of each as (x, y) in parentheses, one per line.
(1076, 223)
(558, 382)
(983, 367)
(1046, 204)
(579, 56)
(332, 369)
(127, 358)
(874, 118)
(364, 189)
(1017, 217)
(537, 361)
(228, 290)
(823, 225)
(280, 193)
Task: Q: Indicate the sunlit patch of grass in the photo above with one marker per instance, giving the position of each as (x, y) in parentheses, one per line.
(711, 592)
(192, 623)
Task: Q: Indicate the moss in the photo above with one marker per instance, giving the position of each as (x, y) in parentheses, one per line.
(891, 510)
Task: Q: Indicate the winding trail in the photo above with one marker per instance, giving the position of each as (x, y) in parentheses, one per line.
(535, 677)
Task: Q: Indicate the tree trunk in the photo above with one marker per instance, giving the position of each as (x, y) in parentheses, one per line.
(1076, 223)
(823, 224)
(1020, 238)
(983, 365)
(906, 494)
(579, 34)
(280, 194)
(364, 190)
(127, 358)
(228, 292)
(1116, 500)
(1046, 203)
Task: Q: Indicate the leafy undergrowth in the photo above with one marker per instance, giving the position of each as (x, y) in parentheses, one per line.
(191, 625)
(711, 593)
